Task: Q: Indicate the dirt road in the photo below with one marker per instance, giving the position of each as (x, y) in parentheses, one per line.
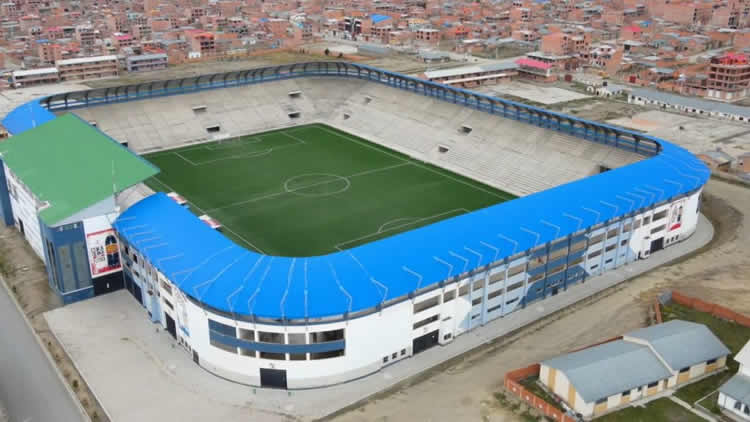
(464, 391)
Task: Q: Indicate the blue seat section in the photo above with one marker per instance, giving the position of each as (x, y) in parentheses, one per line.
(26, 116)
(214, 270)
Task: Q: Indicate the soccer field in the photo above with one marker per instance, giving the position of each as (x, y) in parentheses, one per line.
(312, 189)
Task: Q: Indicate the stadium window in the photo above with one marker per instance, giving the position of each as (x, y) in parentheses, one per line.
(294, 115)
(222, 346)
(223, 329)
(625, 393)
(659, 215)
(516, 270)
(515, 286)
(403, 352)
(738, 405)
(637, 224)
(710, 362)
(448, 336)
(272, 356)
(577, 246)
(443, 149)
(247, 334)
(495, 294)
(424, 322)
(608, 261)
(497, 277)
(449, 295)
(347, 116)
(646, 220)
(213, 129)
(658, 229)
(326, 336)
(593, 267)
(612, 233)
(466, 129)
(478, 285)
(575, 262)
(199, 109)
(295, 94)
(596, 239)
(624, 242)
(297, 356)
(685, 369)
(626, 228)
(537, 277)
(426, 304)
(394, 355)
(169, 304)
(296, 338)
(328, 355)
(511, 301)
(385, 359)
(248, 353)
(610, 247)
(595, 254)
(476, 301)
(653, 384)
(268, 337)
(495, 308)
(600, 401)
(463, 290)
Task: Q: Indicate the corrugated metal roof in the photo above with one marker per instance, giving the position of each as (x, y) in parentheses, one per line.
(464, 70)
(682, 343)
(738, 388)
(689, 102)
(630, 365)
(31, 72)
(69, 164)
(85, 60)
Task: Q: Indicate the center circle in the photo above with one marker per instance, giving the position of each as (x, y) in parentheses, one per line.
(317, 184)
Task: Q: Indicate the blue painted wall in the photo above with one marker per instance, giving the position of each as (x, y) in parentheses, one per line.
(67, 261)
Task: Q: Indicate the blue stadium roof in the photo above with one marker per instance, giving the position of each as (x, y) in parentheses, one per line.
(225, 276)
(27, 116)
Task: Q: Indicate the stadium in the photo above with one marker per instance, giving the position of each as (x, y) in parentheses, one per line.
(305, 225)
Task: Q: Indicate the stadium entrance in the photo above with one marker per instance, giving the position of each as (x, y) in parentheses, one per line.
(424, 342)
(273, 378)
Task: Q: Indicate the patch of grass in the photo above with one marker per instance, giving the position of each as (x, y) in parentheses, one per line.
(532, 385)
(695, 391)
(711, 403)
(661, 410)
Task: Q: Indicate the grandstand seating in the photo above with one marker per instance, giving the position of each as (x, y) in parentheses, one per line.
(513, 156)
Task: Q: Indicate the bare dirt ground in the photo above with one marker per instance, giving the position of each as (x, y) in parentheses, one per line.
(26, 278)
(464, 391)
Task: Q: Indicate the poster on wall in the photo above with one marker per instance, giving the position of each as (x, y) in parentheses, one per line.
(675, 215)
(104, 252)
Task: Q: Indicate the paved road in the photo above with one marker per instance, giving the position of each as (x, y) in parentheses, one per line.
(29, 386)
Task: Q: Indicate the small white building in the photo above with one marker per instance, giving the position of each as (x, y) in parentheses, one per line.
(734, 395)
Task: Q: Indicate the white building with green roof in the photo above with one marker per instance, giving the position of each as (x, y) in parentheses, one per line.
(58, 187)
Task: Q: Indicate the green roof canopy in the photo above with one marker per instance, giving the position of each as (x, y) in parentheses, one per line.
(71, 165)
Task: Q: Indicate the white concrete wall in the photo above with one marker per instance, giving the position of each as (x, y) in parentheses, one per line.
(728, 403)
(25, 205)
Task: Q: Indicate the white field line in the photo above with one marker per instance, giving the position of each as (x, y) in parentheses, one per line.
(249, 155)
(325, 182)
(204, 212)
(417, 164)
(287, 134)
(184, 158)
(229, 144)
(346, 242)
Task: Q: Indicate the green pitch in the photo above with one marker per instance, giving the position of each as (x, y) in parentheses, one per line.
(311, 190)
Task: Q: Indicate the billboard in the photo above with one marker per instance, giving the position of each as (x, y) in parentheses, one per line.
(675, 215)
(104, 252)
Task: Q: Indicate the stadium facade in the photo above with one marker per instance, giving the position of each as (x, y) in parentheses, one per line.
(303, 322)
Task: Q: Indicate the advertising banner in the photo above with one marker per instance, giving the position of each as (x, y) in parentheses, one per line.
(104, 252)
